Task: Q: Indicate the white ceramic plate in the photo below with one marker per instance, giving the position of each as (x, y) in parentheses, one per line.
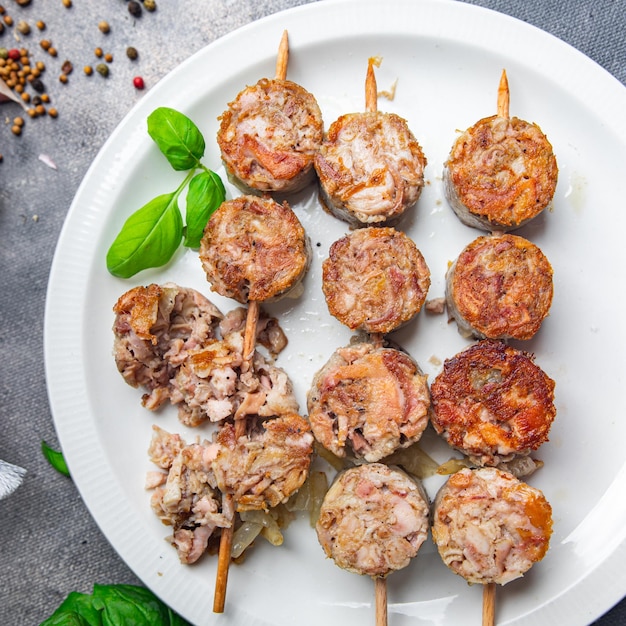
(446, 58)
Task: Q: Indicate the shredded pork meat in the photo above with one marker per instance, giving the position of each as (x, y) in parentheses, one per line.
(186, 499)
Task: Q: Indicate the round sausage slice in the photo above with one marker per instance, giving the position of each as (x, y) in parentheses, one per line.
(500, 287)
(375, 279)
(490, 527)
(370, 168)
(500, 174)
(269, 136)
(254, 249)
(373, 520)
(493, 403)
(367, 402)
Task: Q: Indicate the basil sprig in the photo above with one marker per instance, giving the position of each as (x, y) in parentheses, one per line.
(153, 233)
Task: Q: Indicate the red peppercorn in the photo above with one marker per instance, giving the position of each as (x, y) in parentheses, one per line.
(14, 54)
(138, 82)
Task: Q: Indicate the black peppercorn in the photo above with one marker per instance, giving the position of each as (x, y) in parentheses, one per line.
(134, 8)
(38, 86)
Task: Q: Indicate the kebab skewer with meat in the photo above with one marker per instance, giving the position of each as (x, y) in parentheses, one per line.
(501, 172)
(372, 522)
(269, 134)
(253, 250)
(490, 528)
(370, 166)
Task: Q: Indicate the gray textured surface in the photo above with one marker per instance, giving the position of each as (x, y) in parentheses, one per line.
(49, 544)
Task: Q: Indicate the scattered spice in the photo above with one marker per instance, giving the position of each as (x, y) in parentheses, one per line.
(52, 112)
(98, 52)
(16, 130)
(138, 82)
(88, 70)
(104, 27)
(149, 5)
(52, 51)
(8, 20)
(132, 53)
(40, 24)
(23, 27)
(67, 3)
(134, 8)
(37, 85)
(67, 67)
(102, 69)
(63, 78)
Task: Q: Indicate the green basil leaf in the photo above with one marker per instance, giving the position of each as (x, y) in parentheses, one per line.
(149, 237)
(76, 610)
(205, 194)
(178, 138)
(113, 605)
(55, 458)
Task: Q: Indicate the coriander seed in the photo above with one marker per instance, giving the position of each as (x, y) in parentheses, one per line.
(98, 52)
(52, 112)
(104, 27)
(149, 5)
(88, 70)
(108, 57)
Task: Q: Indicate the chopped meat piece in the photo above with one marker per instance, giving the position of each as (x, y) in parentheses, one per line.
(188, 500)
(155, 328)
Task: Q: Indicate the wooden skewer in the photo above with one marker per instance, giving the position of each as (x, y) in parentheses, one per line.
(503, 96)
(380, 590)
(371, 89)
(226, 538)
(489, 604)
(283, 57)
